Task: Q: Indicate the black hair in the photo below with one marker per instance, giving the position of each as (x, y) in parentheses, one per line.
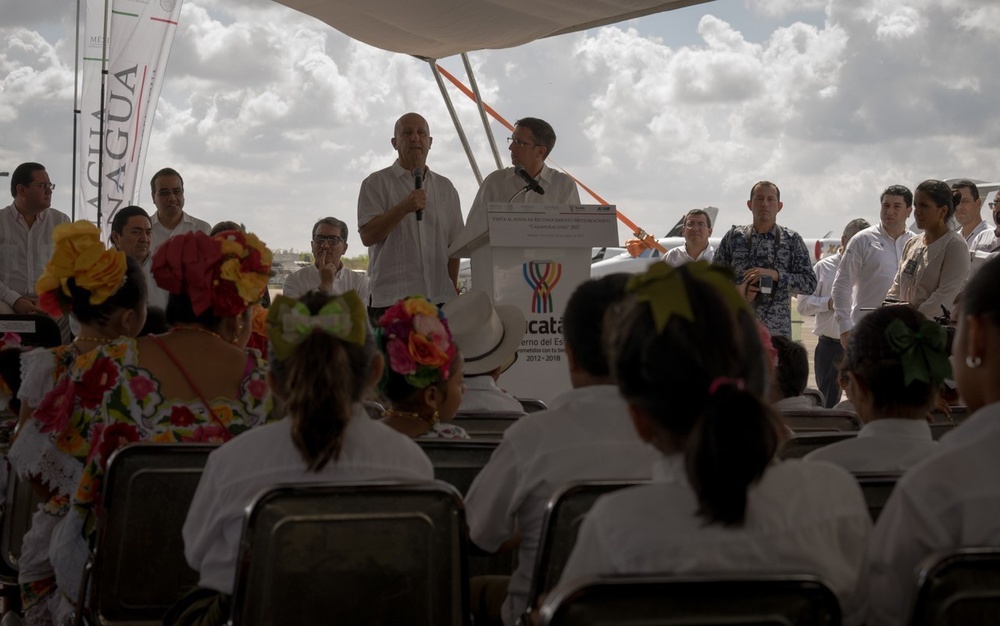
(898, 190)
(879, 368)
(180, 311)
(965, 183)
(792, 372)
(122, 216)
(10, 373)
(24, 174)
(544, 134)
(222, 227)
(730, 435)
(765, 183)
(167, 171)
(941, 195)
(402, 394)
(583, 317)
(156, 322)
(319, 382)
(130, 295)
(981, 296)
(335, 223)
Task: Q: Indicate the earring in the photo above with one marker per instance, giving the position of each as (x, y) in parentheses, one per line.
(436, 417)
(973, 361)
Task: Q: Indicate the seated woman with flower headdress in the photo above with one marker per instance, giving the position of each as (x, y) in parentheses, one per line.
(423, 379)
(106, 291)
(324, 361)
(195, 383)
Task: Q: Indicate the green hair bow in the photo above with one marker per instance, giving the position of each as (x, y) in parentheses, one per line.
(662, 286)
(290, 322)
(923, 352)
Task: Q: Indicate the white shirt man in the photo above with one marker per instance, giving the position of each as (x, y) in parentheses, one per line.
(408, 254)
(327, 273)
(968, 211)
(170, 219)
(870, 261)
(26, 227)
(696, 230)
(530, 144)
(132, 233)
(986, 244)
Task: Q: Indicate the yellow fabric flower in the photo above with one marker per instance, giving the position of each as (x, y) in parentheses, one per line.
(79, 253)
(420, 306)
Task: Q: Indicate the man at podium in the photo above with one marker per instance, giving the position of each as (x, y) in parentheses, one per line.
(530, 180)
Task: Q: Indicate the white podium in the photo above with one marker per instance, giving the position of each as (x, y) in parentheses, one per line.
(533, 256)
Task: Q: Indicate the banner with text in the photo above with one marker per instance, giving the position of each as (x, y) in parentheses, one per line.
(140, 33)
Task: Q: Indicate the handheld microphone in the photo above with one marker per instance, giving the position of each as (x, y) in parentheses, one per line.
(418, 183)
(531, 182)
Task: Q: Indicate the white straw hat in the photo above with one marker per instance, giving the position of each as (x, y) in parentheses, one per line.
(488, 336)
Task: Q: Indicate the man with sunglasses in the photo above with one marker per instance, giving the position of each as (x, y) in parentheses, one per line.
(530, 144)
(26, 227)
(327, 273)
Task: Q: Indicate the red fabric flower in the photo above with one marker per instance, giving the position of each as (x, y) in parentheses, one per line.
(188, 264)
(141, 386)
(210, 433)
(55, 408)
(114, 437)
(95, 382)
(181, 416)
(257, 388)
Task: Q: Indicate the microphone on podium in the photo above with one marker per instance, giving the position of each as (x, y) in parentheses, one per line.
(531, 182)
(418, 183)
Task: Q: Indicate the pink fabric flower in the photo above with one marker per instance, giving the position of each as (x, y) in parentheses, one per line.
(141, 386)
(399, 357)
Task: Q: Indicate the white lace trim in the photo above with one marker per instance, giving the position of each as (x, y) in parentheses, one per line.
(37, 369)
(35, 455)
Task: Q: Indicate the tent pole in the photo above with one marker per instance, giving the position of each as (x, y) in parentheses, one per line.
(76, 109)
(454, 119)
(482, 109)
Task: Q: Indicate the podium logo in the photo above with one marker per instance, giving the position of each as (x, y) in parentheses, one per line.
(542, 278)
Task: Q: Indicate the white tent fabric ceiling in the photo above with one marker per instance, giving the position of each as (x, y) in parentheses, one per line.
(435, 29)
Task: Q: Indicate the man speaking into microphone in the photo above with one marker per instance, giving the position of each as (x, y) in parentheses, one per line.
(530, 180)
(408, 216)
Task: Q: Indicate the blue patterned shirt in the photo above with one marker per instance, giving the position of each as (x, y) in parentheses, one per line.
(780, 249)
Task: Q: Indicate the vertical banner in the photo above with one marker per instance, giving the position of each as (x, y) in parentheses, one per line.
(140, 33)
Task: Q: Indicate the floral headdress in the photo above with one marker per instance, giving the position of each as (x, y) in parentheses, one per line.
(81, 255)
(289, 322)
(415, 337)
(225, 273)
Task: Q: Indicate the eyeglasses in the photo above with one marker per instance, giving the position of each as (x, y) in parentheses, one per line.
(47, 186)
(517, 142)
(333, 240)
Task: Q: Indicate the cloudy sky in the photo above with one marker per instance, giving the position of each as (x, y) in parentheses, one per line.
(274, 118)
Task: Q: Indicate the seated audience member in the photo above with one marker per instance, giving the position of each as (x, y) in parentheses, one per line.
(896, 358)
(847, 404)
(423, 378)
(195, 383)
(328, 272)
(132, 233)
(719, 503)
(106, 291)
(258, 331)
(488, 337)
(324, 361)
(790, 376)
(585, 435)
(952, 499)
(935, 265)
(697, 229)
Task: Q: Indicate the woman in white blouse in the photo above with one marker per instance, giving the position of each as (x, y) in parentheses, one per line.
(952, 499)
(934, 267)
(688, 362)
(896, 359)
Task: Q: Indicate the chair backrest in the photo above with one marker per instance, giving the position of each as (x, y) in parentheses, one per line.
(877, 488)
(817, 397)
(563, 515)
(485, 424)
(139, 569)
(22, 501)
(648, 601)
(532, 405)
(817, 420)
(458, 461)
(363, 553)
(800, 445)
(956, 415)
(939, 429)
(959, 587)
(40, 331)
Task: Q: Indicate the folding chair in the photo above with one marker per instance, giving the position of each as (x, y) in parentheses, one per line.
(485, 424)
(959, 587)
(563, 515)
(820, 420)
(458, 461)
(363, 553)
(877, 488)
(138, 569)
(701, 601)
(801, 445)
(531, 405)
